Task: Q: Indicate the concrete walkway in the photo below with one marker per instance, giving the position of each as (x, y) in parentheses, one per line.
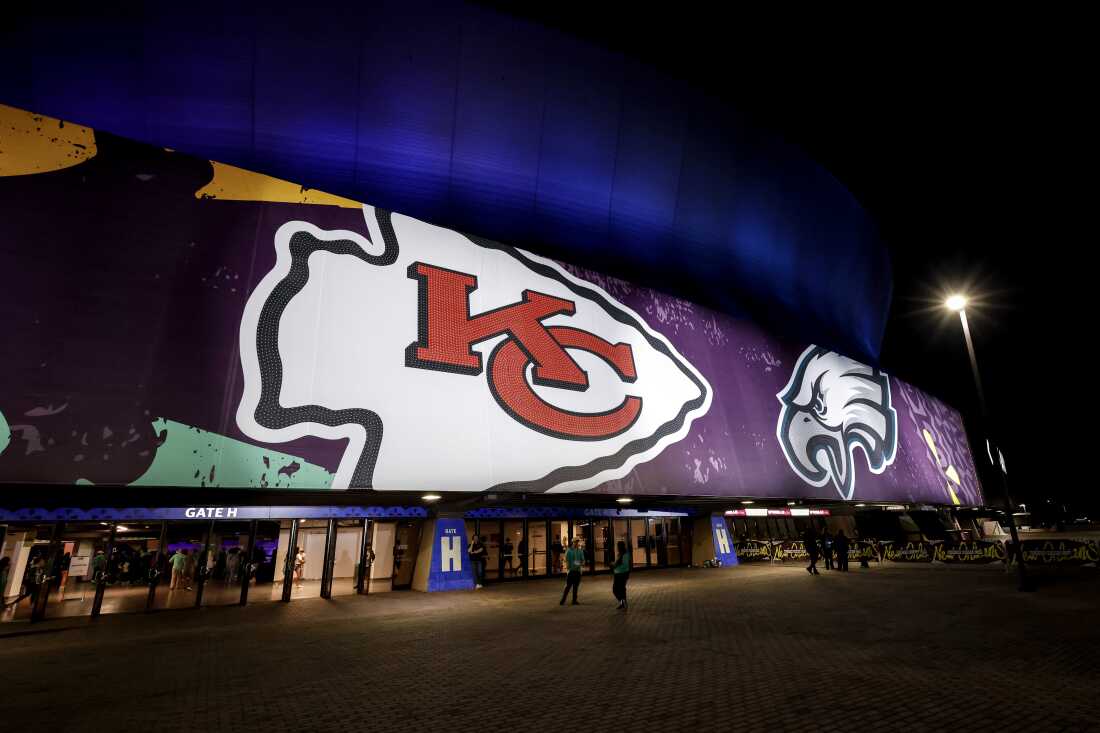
(747, 648)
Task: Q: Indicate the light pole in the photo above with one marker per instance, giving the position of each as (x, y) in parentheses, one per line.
(958, 303)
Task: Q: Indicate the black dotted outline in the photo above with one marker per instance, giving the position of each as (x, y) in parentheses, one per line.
(269, 413)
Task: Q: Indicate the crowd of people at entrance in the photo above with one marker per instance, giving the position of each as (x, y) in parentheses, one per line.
(230, 566)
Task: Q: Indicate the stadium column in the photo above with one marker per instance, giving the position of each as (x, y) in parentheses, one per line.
(443, 563)
(712, 540)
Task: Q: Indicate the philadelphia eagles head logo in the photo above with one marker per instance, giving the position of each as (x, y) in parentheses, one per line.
(831, 406)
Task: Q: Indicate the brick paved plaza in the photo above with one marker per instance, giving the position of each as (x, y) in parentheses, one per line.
(749, 648)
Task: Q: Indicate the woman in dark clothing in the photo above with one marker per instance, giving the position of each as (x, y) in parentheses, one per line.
(478, 553)
(809, 540)
(622, 574)
(841, 546)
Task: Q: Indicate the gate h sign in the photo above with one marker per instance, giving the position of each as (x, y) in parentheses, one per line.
(723, 542)
(451, 568)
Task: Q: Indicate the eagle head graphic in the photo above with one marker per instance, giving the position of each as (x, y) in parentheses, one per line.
(831, 406)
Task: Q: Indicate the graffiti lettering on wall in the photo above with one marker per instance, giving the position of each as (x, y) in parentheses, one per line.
(790, 550)
(864, 550)
(754, 550)
(909, 551)
(1060, 552)
(975, 552)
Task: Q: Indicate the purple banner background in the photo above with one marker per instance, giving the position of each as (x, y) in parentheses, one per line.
(123, 292)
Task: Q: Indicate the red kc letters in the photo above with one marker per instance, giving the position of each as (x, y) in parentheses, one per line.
(447, 332)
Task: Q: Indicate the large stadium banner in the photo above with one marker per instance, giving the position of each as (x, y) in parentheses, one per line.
(172, 321)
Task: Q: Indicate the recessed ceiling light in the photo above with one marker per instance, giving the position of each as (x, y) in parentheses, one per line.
(624, 500)
(431, 497)
(791, 503)
(748, 501)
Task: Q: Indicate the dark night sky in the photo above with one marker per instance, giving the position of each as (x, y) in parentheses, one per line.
(951, 132)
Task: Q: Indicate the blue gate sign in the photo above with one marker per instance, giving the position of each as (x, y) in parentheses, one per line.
(451, 567)
(723, 540)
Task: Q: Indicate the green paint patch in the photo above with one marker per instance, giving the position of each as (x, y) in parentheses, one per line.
(5, 433)
(193, 457)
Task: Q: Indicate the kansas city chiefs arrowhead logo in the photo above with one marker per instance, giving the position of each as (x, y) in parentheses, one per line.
(453, 363)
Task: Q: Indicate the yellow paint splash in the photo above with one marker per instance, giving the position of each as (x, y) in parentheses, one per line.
(237, 184)
(950, 471)
(31, 143)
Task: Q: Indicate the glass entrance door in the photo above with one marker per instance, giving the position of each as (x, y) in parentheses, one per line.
(24, 555)
(559, 543)
(82, 560)
(178, 579)
(384, 537)
(536, 548)
(511, 549)
(309, 558)
(659, 536)
(265, 565)
(664, 539)
(225, 563)
(639, 542)
(133, 561)
(405, 551)
(347, 556)
(604, 547)
(490, 533)
(583, 532)
(673, 533)
(620, 532)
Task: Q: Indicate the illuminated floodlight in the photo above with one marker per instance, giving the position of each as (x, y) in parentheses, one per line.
(956, 302)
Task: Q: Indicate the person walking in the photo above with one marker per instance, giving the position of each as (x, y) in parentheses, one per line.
(507, 550)
(827, 549)
(179, 562)
(621, 568)
(574, 563)
(478, 553)
(841, 546)
(521, 548)
(233, 565)
(809, 540)
(299, 566)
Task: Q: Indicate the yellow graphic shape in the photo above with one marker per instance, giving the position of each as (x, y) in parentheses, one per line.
(950, 471)
(237, 184)
(31, 143)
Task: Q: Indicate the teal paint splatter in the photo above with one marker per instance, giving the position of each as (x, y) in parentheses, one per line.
(5, 433)
(193, 457)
